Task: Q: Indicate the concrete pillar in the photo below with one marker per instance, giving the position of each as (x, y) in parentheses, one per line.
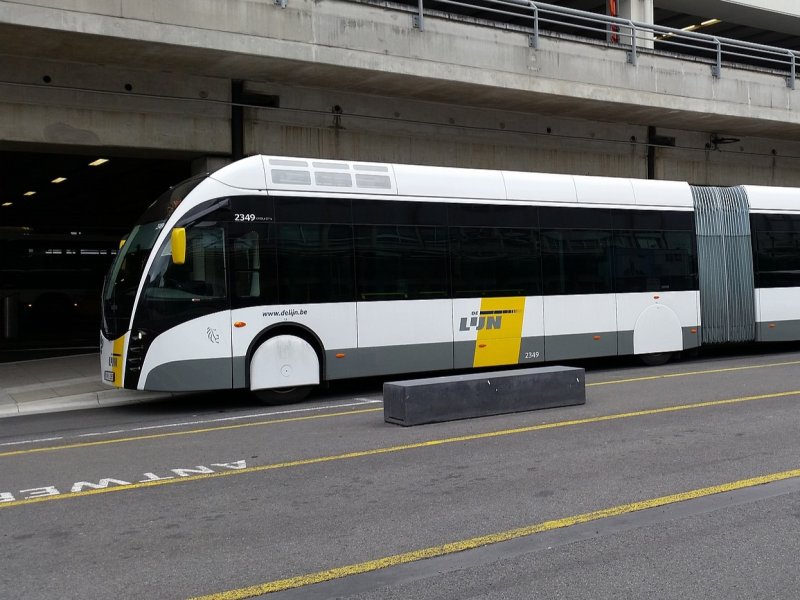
(209, 164)
(640, 11)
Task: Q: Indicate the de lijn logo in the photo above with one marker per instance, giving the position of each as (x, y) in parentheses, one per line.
(485, 319)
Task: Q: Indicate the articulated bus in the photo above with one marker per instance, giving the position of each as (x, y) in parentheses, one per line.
(275, 274)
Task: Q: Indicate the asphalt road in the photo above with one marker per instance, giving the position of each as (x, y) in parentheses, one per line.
(681, 481)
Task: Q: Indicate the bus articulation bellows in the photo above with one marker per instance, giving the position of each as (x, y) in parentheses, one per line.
(275, 274)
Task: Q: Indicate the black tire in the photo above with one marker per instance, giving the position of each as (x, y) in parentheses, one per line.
(656, 358)
(289, 395)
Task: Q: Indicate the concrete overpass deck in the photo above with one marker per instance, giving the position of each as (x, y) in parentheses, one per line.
(375, 49)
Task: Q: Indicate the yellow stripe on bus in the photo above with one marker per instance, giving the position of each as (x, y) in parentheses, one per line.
(500, 333)
(117, 354)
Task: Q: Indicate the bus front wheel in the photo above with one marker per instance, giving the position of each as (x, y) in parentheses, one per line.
(287, 395)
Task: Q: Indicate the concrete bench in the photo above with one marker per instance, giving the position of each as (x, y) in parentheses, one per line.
(438, 399)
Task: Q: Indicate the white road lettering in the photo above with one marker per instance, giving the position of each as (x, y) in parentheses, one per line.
(109, 482)
(239, 464)
(199, 470)
(104, 483)
(48, 490)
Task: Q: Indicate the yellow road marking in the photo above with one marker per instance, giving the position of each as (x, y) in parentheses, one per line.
(495, 538)
(691, 373)
(400, 448)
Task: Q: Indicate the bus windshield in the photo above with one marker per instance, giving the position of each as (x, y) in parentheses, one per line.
(122, 281)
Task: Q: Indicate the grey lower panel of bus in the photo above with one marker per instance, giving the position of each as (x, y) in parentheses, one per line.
(581, 345)
(417, 358)
(414, 358)
(692, 340)
(783, 331)
(531, 351)
(411, 358)
(239, 372)
(190, 375)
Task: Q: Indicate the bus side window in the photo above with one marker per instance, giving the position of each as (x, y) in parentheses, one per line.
(778, 256)
(206, 271)
(315, 262)
(576, 261)
(653, 261)
(246, 266)
(401, 262)
(252, 264)
(495, 261)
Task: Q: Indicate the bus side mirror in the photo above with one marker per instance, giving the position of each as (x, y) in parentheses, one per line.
(121, 243)
(178, 246)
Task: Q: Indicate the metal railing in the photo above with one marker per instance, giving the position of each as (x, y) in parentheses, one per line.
(541, 19)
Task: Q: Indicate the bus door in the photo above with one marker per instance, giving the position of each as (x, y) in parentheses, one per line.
(185, 310)
(252, 273)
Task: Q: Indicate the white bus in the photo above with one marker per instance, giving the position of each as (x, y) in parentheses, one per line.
(275, 274)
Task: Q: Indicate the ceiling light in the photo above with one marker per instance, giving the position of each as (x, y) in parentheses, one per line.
(30, 193)
(7, 203)
(98, 162)
(59, 180)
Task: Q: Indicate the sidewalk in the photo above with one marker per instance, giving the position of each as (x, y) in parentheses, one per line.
(59, 384)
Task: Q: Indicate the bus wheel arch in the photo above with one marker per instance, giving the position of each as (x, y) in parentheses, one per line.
(284, 354)
(657, 334)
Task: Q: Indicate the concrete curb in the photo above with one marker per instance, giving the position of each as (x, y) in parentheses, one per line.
(100, 399)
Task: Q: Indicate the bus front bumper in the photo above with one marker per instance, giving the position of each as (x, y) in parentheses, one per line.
(112, 360)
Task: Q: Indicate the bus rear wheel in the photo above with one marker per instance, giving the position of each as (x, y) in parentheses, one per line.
(288, 395)
(656, 358)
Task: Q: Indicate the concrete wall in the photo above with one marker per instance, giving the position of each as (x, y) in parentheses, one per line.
(348, 45)
(367, 127)
(455, 94)
(393, 130)
(88, 105)
(396, 130)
